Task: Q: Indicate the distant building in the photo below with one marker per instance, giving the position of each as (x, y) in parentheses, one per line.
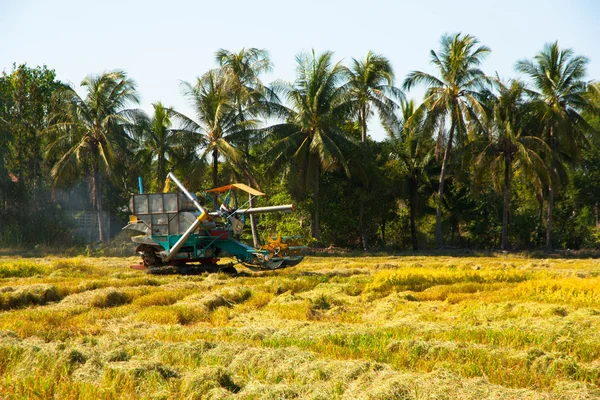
(79, 213)
(85, 225)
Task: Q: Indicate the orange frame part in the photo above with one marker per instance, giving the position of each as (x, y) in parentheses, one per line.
(240, 186)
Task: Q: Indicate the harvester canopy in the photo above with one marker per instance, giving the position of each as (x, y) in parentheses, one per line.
(240, 186)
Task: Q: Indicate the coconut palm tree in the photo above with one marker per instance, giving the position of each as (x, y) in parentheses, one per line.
(312, 137)
(452, 95)
(93, 131)
(559, 94)
(508, 146)
(414, 148)
(162, 144)
(371, 86)
(251, 97)
(219, 128)
(244, 69)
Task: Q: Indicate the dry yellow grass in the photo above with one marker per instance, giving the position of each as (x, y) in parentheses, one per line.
(330, 328)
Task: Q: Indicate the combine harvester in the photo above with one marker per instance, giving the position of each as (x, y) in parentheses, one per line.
(182, 236)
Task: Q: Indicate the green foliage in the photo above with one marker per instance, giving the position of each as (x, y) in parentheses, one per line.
(453, 95)
(491, 151)
(313, 140)
(28, 214)
(91, 136)
(559, 97)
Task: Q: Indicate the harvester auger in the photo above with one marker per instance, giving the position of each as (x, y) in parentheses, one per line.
(182, 236)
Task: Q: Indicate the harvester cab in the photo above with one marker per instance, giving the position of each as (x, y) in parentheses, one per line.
(180, 235)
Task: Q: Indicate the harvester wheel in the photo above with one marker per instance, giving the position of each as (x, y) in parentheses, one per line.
(150, 258)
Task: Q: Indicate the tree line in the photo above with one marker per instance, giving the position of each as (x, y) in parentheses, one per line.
(479, 161)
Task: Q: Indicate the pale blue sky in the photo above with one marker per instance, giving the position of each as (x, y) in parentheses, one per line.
(161, 43)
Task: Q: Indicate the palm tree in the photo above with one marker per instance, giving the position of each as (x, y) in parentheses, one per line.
(371, 86)
(250, 96)
(452, 96)
(161, 143)
(559, 96)
(244, 69)
(507, 146)
(414, 148)
(313, 137)
(93, 131)
(219, 128)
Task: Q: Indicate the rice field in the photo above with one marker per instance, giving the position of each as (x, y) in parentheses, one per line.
(426, 327)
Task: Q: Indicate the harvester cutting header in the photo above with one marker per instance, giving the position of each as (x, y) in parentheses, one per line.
(179, 232)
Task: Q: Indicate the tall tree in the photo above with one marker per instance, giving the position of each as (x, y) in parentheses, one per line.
(219, 128)
(5, 139)
(452, 95)
(312, 137)
(371, 86)
(251, 97)
(414, 149)
(94, 131)
(27, 94)
(508, 146)
(25, 101)
(560, 95)
(161, 144)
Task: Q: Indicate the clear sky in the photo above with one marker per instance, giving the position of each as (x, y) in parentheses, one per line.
(161, 43)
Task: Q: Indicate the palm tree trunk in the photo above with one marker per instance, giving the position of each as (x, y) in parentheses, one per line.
(363, 124)
(361, 223)
(550, 199)
(361, 220)
(161, 172)
(316, 230)
(253, 218)
(505, 208)
(98, 198)
(34, 166)
(413, 185)
(549, 219)
(255, 236)
(439, 237)
(540, 227)
(215, 171)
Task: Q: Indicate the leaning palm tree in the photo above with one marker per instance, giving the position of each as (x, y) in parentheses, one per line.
(371, 87)
(312, 137)
(414, 148)
(452, 96)
(218, 128)
(560, 95)
(250, 96)
(508, 146)
(93, 131)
